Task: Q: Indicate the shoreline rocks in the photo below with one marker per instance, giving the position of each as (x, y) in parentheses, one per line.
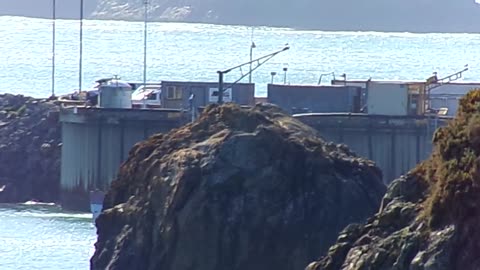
(29, 149)
(237, 189)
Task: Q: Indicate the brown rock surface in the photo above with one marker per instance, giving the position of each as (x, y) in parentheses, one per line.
(237, 189)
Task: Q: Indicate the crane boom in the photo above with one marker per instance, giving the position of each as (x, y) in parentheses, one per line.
(434, 82)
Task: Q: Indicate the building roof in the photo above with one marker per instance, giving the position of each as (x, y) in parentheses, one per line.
(455, 88)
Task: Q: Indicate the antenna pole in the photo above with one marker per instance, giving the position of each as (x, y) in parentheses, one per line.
(220, 87)
(80, 70)
(145, 14)
(54, 18)
(252, 46)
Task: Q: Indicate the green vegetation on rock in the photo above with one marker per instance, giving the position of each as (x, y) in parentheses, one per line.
(453, 171)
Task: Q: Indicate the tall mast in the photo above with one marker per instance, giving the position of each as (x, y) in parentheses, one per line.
(54, 18)
(80, 70)
(145, 20)
(252, 46)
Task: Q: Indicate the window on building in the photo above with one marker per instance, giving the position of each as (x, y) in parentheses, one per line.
(174, 92)
(152, 96)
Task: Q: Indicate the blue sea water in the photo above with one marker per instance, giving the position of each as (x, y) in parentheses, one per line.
(178, 51)
(45, 237)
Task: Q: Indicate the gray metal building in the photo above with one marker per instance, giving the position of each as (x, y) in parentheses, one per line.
(316, 99)
(389, 99)
(177, 94)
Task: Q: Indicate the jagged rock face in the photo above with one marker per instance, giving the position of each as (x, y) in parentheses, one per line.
(428, 219)
(390, 240)
(237, 189)
(29, 150)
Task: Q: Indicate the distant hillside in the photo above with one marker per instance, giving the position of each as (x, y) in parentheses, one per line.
(66, 9)
(373, 15)
(367, 15)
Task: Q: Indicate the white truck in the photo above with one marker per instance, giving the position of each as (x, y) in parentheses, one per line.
(147, 96)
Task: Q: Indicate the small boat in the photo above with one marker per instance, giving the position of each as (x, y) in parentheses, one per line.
(96, 203)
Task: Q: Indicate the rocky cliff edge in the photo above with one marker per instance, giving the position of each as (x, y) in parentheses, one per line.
(428, 219)
(29, 149)
(237, 189)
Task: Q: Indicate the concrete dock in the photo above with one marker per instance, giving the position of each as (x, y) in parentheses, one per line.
(396, 133)
(396, 143)
(97, 140)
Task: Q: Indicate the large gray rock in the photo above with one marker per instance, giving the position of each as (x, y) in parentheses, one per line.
(238, 189)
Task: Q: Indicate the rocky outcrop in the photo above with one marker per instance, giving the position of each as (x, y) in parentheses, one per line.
(428, 219)
(237, 189)
(29, 149)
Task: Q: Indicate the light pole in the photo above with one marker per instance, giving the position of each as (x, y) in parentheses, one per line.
(260, 61)
(273, 73)
(252, 46)
(344, 76)
(145, 19)
(191, 101)
(54, 18)
(81, 49)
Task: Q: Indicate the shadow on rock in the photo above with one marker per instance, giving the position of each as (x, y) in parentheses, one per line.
(237, 189)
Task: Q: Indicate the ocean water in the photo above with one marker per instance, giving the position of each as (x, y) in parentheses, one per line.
(178, 51)
(45, 237)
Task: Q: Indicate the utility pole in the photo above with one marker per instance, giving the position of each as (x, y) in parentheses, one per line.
(145, 14)
(220, 86)
(80, 70)
(191, 101)
(54, 18)
(252, 46)
(261, 61)
(273, 73)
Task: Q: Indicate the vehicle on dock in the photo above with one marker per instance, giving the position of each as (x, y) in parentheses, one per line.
(147, 96)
